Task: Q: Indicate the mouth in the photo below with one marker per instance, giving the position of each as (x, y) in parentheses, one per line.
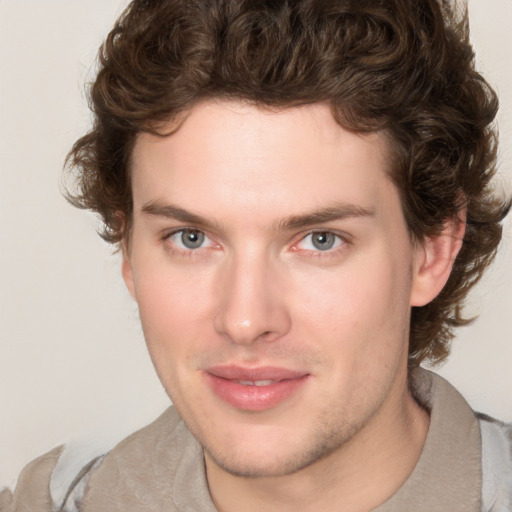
(254, 389)
(257, 382)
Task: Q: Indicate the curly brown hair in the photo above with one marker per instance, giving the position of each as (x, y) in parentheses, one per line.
(402, 66)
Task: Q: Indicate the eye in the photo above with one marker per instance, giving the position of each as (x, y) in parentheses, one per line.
(320, 241)
(189, 239)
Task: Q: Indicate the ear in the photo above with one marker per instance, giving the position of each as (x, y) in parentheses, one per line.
(434, 258)
(127, 271)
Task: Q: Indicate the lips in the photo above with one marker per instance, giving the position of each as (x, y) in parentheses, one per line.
(254, 389)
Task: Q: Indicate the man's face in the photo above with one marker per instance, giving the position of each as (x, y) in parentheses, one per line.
(273, 272)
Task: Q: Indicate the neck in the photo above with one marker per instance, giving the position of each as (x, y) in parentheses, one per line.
(357, 477)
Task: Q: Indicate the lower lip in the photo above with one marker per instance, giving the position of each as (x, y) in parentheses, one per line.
(254, 398)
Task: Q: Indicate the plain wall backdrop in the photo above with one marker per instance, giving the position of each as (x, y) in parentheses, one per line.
(73, 364)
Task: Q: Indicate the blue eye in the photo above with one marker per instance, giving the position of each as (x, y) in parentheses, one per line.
(320, 241)
(190, 239)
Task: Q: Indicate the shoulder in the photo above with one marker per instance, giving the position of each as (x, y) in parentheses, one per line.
(496, 464)
(453, 418)
(32, 490)
(59, 479)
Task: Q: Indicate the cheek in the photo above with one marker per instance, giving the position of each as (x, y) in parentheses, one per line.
(362, 291)
(172, 313)
(173, 306)
(359, 310)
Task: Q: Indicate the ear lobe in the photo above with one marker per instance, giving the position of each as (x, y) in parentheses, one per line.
(127, 272)
(433, 260)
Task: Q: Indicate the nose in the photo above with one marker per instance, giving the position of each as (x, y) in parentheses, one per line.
(252, 301)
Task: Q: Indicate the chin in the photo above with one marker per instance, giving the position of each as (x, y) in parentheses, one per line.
(270, 463)
(259, 468)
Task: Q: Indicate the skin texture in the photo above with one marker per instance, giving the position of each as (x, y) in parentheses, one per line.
(257, 292)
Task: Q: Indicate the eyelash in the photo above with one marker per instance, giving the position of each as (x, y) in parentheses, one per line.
(343, 242)
(342, 239)
(187, 252)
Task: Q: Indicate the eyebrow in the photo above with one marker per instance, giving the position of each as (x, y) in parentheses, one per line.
(336, 211)
(170, 211)
(333, 212)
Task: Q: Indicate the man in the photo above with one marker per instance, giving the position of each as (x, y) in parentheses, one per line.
(301, 194)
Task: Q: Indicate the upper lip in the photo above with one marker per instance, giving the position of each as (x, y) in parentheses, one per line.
(234, 372)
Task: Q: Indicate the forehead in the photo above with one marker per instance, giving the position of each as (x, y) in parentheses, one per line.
(227, 153)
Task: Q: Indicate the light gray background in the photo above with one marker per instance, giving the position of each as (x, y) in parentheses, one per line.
(72, 359)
